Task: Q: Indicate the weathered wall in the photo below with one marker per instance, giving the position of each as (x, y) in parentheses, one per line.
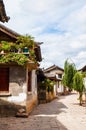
(20, 97)
(32, 96)
(16, 98)
(31, 103)
(59, 87)
(17, 85)
(17, 80)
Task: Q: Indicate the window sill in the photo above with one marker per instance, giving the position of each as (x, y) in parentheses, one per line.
(29, 93)
(5, 94)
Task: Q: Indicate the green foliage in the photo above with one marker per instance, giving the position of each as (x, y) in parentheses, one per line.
(64, 80)
(78, 85)
(25, 41)
(14, 46)
(78, 82)
(32, 55)
(20, 59)
(5, 46)
(8, 46)
(21, 43)
(84, 74)
(69, 72)
(49, 85)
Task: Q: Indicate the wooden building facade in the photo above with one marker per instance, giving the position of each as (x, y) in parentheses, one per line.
(18, 84)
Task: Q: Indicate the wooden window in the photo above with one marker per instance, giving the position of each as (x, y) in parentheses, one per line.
(29, 81)
(59, 75)
(4, 79)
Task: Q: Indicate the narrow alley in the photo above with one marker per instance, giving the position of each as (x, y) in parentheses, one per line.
(63, 113)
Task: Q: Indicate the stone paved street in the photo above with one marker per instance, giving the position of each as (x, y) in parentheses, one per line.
(60, 114)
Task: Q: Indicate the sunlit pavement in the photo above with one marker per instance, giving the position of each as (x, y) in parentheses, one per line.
(63, 113)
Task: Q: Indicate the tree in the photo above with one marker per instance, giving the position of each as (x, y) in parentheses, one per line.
(78, 85)
(84, 80)
(69, 72)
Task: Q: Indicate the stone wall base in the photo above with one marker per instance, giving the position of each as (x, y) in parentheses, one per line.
(31, 104)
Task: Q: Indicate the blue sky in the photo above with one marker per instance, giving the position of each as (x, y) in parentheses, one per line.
(59, 24)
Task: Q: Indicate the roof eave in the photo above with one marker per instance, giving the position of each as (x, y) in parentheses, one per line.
(3, 16)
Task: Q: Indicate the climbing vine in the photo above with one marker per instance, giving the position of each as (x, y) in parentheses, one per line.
(20, 59)
(14, 52)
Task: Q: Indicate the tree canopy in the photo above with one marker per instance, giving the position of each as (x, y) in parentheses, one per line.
(69, 72)
(79, 85)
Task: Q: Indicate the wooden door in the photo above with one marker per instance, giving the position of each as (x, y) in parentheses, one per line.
(4, 79)
(29, 81)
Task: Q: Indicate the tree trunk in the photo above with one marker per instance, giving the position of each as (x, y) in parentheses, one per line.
(64, 90)
(80, 97)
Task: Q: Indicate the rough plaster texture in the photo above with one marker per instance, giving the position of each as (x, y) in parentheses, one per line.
(19, 96)
(17, 80)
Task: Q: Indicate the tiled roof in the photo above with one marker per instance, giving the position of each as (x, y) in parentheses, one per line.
(53, 68)
(3, 16)
(83, 69)
(52, 77)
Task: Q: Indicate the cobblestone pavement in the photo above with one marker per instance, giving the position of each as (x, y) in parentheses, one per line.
(60, 114)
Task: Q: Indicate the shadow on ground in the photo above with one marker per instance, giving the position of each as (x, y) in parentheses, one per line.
(8, 109)
(46, 114)
(43, 117)
(53, 107)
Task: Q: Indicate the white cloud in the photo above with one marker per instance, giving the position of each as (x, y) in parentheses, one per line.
(79, 42)
(80, 59)
(12, 7)
(75, 22)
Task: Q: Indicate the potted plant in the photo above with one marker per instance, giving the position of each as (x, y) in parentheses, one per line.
(25, 50)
